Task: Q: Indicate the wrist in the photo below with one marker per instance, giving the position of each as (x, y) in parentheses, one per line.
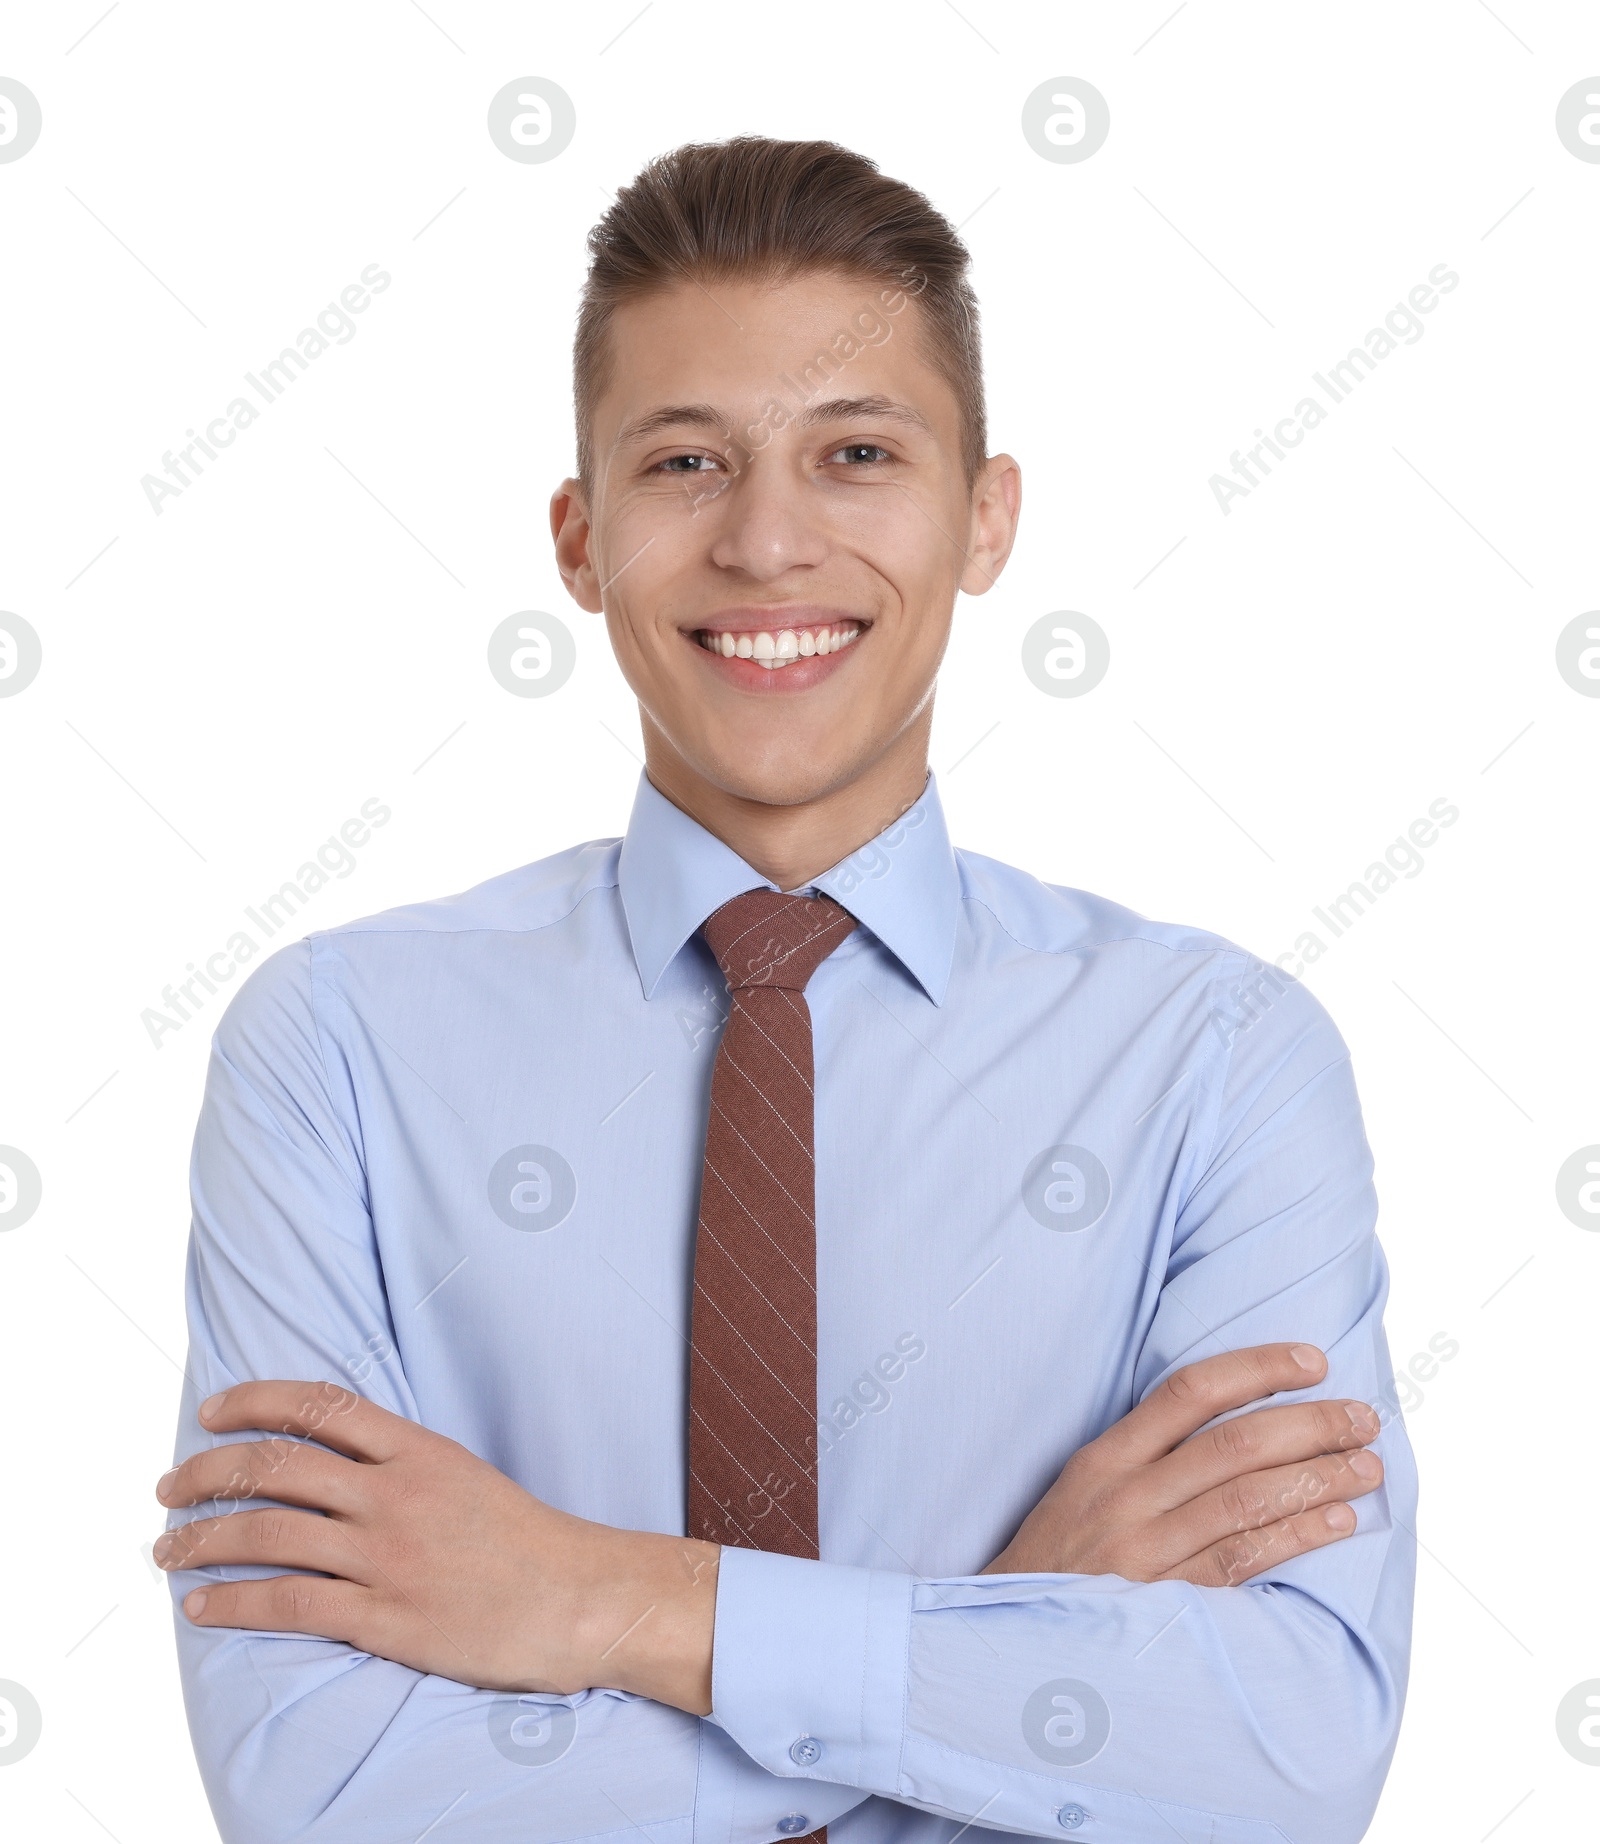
(650, 1628)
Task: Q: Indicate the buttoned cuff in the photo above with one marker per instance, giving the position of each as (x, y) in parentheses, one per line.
(809, 1666)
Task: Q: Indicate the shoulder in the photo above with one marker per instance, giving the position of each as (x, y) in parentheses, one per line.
(1058, 919)
(1237, 986)
(276, 1006)
(533, 896)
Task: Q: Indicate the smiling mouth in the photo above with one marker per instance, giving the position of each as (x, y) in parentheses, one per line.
(776, 648)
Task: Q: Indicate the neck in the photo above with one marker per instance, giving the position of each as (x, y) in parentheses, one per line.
(791, 844)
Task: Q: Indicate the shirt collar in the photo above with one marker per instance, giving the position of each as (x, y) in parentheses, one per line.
(903, 885)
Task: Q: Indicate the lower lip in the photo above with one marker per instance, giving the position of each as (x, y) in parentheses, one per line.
(798, 676)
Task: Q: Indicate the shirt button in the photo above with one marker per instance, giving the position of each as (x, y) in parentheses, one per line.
(805, 1752)
(1071, 1817)
(792, 1824)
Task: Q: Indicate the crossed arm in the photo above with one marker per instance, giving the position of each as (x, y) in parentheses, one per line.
(1252, 1658)
(426, 1555)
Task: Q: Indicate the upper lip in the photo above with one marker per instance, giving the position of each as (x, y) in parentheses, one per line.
(795, 615)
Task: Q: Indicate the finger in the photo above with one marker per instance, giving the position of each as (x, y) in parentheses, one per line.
(285, 1604)
(1235, 1559)
(329, 1413)
(270, 1538)
(291, 1470)
(1197, 1392)
(1258, 1500)
(1256, 1442)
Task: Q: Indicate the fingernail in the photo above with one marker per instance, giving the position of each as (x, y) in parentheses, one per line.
(1308, 1357)
(195, 1604)
(209, 1407)
(1339, 1517)
(1366, 1464)
(161, 1549)
(164, 1481)
(1362, 1419)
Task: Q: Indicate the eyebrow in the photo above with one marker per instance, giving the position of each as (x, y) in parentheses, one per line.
(840, 409)
(707, 416)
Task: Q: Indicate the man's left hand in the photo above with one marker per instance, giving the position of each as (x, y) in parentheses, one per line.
(427, 1555)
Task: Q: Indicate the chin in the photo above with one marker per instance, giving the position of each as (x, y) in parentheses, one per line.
(777, 784)
(782, 775)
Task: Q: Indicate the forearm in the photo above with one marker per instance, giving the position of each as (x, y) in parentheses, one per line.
(647, 1628)
(300, 1739)
(1238, 1709)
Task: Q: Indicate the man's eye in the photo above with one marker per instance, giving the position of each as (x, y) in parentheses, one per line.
(860, 453)
(670, 465)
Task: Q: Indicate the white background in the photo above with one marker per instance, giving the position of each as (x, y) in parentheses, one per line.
(1370, 630)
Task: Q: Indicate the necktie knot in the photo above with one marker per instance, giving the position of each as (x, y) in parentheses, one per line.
(765, 938)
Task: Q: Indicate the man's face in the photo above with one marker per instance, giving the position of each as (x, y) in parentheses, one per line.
(778, 479)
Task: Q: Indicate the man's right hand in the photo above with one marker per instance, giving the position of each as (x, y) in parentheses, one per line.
(1153, 1500)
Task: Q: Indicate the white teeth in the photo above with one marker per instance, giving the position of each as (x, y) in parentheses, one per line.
(788, 645)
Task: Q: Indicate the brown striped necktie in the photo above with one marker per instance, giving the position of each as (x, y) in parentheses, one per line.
(753, 1349)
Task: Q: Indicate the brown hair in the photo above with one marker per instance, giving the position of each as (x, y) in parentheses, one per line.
(768, 210)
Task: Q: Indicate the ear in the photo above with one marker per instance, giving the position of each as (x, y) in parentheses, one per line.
(569, 528)
(996, 507)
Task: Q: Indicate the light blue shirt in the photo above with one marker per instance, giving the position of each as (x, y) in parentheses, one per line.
(450, 1155)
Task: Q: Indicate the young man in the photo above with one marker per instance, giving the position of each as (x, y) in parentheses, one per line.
(750, 1304)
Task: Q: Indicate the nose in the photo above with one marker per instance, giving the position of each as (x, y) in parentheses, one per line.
(766, 521)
